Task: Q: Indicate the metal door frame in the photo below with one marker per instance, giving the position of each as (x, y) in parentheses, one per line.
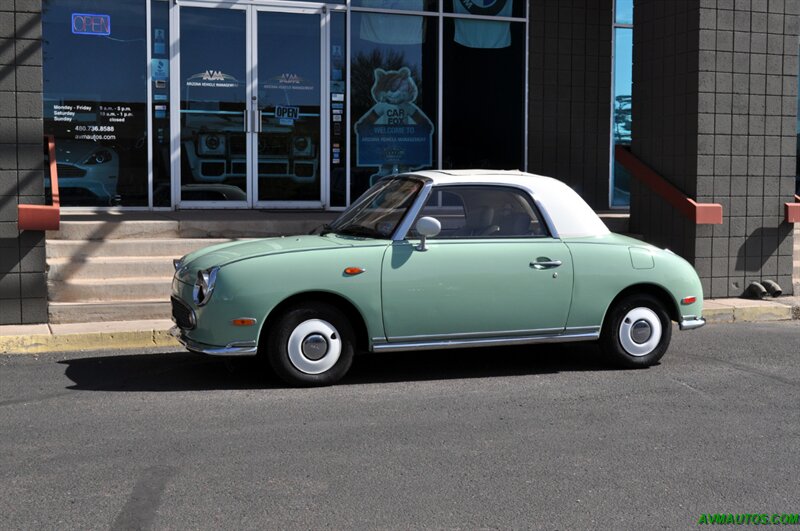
(251, 104)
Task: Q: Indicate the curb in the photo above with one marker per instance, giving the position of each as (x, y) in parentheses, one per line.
(39, 339)
(42, 343)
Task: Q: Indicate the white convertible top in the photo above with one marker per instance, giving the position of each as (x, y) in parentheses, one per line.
(570, 215)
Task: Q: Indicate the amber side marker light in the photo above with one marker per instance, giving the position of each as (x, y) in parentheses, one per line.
(245, 321)
(351, 271)
(689, 300)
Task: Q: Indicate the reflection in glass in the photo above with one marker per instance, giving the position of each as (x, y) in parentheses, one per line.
(400, 5)
(213, 102)
(159, 68)
(338, 98)
(486, 8)
(394, 96)
(624, 11)
(483, 127)
(289, 99)
(623, 86)
(96, 111)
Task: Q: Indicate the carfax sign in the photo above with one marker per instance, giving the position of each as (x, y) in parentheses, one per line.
(394, 131)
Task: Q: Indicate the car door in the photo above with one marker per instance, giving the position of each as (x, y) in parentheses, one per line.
(488, 273)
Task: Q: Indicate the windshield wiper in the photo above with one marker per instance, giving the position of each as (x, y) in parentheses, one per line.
(323, 229)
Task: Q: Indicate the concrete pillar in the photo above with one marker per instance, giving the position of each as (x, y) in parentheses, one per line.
(23, 286)
(714, 112)
(569, 127)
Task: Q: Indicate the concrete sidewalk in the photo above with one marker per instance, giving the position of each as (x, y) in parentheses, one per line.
(36, 339)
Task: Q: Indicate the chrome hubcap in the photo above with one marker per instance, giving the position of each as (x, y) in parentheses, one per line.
(314, 346)
(640, 331)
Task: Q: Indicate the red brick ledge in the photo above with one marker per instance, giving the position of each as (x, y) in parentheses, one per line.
(793, 211)
(699, 213)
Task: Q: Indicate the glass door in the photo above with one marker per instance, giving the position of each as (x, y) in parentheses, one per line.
(249, 131)
(288, 144)
(215, 111)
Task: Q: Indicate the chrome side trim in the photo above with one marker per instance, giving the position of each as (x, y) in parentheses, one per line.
(691, 323)
(484, 342)
(478, 335)
(583, 329)
(237, 348)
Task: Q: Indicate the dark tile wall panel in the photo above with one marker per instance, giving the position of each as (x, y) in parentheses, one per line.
(570, 94)
(23, 287)
(715, 100)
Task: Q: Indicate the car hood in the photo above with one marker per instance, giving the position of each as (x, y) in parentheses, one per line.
(75, 151)
(226, 253)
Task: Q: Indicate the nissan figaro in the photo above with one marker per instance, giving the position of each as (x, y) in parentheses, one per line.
(436, 260)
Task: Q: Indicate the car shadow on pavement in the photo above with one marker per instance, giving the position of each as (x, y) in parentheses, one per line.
(184, 371)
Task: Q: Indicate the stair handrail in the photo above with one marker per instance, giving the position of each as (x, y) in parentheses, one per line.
(43, 217)
(699, 213)
(792, 210)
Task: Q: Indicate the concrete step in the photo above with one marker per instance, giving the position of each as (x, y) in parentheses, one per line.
(109, 289)
(95, 312)
(174, 247)
(105, 267)
(108, 228)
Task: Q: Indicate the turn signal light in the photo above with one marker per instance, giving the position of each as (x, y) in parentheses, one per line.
(689, 300)
(244, 321)
(351, 271)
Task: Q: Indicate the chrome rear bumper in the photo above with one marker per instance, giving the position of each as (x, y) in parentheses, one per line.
(239, 348)
(691, 323)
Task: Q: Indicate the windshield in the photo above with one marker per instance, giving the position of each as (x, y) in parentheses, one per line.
(379, 211)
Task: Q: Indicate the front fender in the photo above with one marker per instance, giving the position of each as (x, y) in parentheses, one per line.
(254, 287)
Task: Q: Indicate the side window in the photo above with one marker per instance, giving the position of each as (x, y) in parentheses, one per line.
(483, 211)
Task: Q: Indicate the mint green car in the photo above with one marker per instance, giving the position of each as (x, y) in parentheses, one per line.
(435, 260)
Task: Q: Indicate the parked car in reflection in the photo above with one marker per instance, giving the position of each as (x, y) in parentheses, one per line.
(434, 260)
(215, 150)
(87, 173)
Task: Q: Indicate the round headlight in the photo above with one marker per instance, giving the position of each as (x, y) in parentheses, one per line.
(301, 143)
(100, 156)
(212, 142)
(204, 285)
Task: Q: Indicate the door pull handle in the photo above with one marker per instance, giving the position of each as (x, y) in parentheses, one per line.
(545, 264)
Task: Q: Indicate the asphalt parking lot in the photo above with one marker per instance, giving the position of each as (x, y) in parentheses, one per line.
(546, 438)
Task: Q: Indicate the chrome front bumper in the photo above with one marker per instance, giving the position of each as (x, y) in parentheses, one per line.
(691, 323)
(239, 348)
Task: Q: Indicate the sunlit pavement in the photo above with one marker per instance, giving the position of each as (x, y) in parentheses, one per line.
(546, 437)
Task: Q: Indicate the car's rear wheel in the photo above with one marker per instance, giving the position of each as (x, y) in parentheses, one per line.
(636, 332)
(311, 344)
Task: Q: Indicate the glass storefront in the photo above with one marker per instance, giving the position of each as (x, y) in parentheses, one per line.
(394, 96)
(621, 120)
(160, 104)
(95, 95)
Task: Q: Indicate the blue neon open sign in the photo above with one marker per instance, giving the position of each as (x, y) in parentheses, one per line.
(91, 24)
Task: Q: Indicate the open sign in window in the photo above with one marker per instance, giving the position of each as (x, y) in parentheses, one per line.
(91, 24)
(286, 114)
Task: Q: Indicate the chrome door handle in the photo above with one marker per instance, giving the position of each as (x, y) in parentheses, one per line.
(545, 264)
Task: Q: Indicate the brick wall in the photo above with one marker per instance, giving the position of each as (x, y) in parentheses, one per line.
(715, 107)
(570, 94)
(23, 287)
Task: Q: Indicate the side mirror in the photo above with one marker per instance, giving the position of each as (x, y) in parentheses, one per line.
(427, 227)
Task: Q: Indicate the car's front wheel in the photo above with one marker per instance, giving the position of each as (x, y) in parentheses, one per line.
(311, 344)
(636, 332)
